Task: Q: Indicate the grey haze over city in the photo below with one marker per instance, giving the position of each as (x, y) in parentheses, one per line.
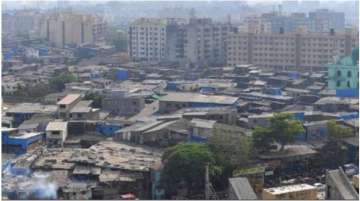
(180, 100)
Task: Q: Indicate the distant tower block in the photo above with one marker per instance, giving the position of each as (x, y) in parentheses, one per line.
(280, 9)
(229, 18)
(192, 13)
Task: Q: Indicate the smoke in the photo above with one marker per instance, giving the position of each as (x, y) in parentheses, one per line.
(43, 187)
(37, 185)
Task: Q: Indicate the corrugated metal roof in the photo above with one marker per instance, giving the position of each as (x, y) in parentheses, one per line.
(56, 125)
(242, 188)
(199, 98)
(68, 99)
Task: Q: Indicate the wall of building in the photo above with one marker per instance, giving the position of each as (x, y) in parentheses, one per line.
(123, 104)
(296, 51)
(147, 39)
(310, 194)
(67, 28)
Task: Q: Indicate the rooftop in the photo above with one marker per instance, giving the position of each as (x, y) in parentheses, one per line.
(249, 170)
(290, 151)
(242, 188)
(82, 107)
(56, 125)
(26, 135)
(291, 188)
(32, 108)
(199, 98)
(342, 184)
(262, 95)
(202, 123)
(114, 155)
(336, 100)
(70, 98)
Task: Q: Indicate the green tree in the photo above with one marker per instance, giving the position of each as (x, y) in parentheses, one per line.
(262, 139)
(231, 149)
(334, 147)
(184, 165)
(230, 146)
(337, 132)
(32, 92)
(95, 97)
(283, 128)
(57, 82)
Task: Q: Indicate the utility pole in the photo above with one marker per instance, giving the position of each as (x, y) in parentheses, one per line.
(207, 182)
(210, 193)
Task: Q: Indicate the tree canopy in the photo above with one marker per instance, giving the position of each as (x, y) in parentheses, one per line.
(262, 138)
(58, 82)
(283, 129)
(95, 97)
(231, 150)
(184, 165)
(337, 132)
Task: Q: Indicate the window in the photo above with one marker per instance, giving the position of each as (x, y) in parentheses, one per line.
(348, 84)
(339, 73)
(349, 73)
(55, 132)
(338, 83)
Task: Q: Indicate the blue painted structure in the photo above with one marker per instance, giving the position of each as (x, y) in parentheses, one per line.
(85, 52)
(107, 129)
(19, 118)
(197, 139)
(273, 91)
(299, 116)
(294, 75)
(8, 55)
(43, 51)
(157, 192)
(350, 116)
(95, 75)
(352, 92)
(300, 137)
(122, 74)
(23, 142)
(172, 86)
(207, 90)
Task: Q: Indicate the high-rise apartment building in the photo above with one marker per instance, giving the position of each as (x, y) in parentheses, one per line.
(254, 24)
(175, 40)
(300, 51)
(323, 20)
(21, 22)
(147, 39)
(205, 41)
(199, 42)
(68, 28)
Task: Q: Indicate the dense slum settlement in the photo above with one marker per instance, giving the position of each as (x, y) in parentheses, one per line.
(96, 126)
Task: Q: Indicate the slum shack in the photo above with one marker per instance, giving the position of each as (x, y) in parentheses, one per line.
(255, 175)
(294, 158)
(113, 169)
